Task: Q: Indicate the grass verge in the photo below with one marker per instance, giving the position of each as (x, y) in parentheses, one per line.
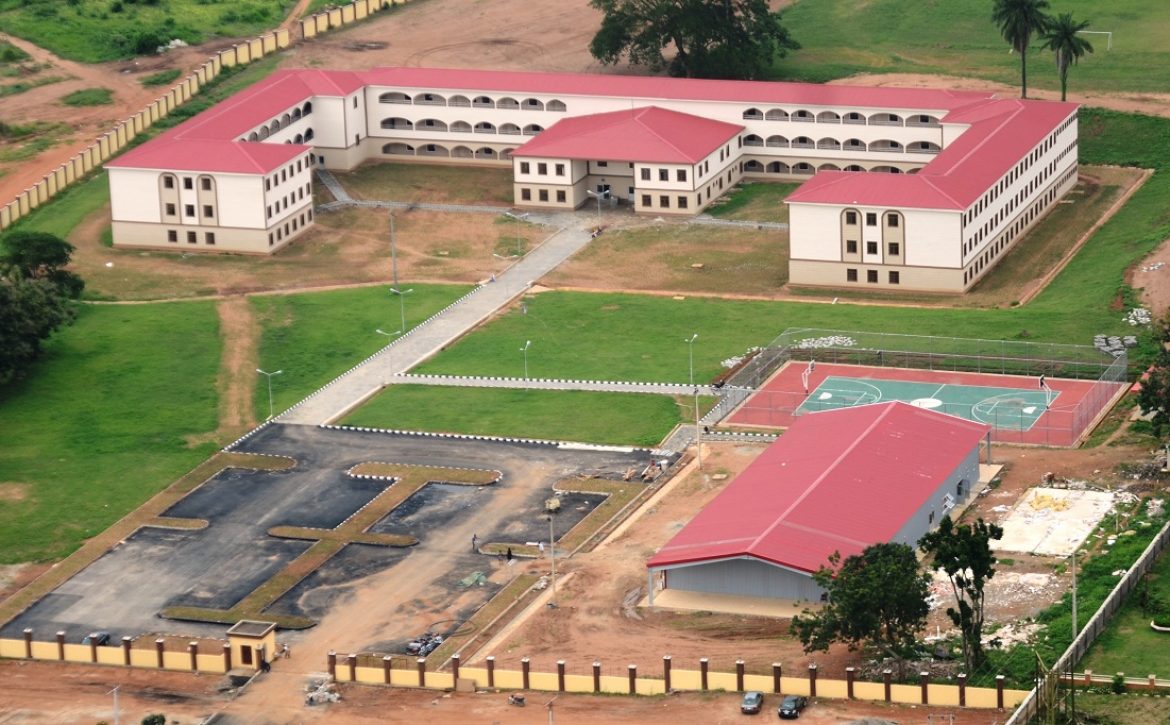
(573, 415)
(161, 78)
(755, 201)
(89, 97)
(424, 183)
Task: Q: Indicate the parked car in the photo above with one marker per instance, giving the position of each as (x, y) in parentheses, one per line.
(98, 638)
(752, 703)
(792, 706)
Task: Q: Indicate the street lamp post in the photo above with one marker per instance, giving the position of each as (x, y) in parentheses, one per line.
(269, 376)
(698, 436)
(517, 218)
(691, 354)
(391, 336)
(524, 350)
(552, 556)
(401, 303)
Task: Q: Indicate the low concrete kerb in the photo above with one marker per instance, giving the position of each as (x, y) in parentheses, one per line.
(471, 437)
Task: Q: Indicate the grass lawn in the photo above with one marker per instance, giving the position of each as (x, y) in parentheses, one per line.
(957, 37)
(425, 183)
(1129, 645)
(1130, 709)
(736, 260)
(755, 201)
(102, 423)
(161, 78)
(92, 31)
(586, 417)
(314, 337)
(89, 97)
(67, 209)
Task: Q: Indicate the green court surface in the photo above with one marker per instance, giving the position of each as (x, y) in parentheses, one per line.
(1005, 408)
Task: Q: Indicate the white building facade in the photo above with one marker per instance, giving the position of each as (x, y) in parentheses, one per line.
(953, 178)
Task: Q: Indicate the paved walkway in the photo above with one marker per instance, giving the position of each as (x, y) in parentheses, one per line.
(716, 222)
(346, 392)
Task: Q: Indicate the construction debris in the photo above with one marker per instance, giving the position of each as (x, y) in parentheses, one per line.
(319, 692)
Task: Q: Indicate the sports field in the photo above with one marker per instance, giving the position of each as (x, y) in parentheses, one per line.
(1017, 407)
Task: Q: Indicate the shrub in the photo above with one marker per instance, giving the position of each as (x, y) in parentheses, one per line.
(1118, 684)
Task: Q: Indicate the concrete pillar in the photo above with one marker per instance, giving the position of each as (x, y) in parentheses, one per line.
(999, 691)
(422, 671)
(703, 664)
(924, 683)
(351, 660)
(887, 679)
(160, 646)
(596, 676)
(812, 680)
(332, 665)
(387, 665)
(1151, 681)
(61, 645)
(126, 651)
(491, 665)
(93, 651)
(525, 665)
(227, 657)
(633, 679)
(28, 634)
(666, 672)
(962, 678)
(455, 668)
(193, 648)
(850, 672)
(1088, 677)
(739, 675)
(776, 677)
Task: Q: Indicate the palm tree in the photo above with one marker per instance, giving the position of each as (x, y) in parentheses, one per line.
(1061, 37)
(1018, 21)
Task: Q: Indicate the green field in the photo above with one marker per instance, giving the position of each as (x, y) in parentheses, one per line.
(93, 31)
(1129, 645)
(316, 336)
(957, 37)
(757, 202)
(102, 423)
(604, 418)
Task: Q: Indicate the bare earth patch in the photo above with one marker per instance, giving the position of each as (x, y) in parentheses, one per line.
(12, 492)
(1152, 277)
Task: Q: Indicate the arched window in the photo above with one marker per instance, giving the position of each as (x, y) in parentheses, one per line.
(885, 144)
(853, 167)
(429, 99)
(254, 136)
(753, 167)
(923, 147)
(828, 167)
(433, 149)
(753, 114)
(510, 129)
(485, 127)
(483, 102)
(263, 133)
(398, 124)
(307, 108)
(430, 124)
(532, 104)
(300, 138)
(285, 120)
(854, 118)
(485, 153)
(460, 101)
(777, 142)
(462, 152)
(829, 144)
(460, 127)
(296, 114)
(778, 167)
(394, 97)
(398, 149)
(752, 140)
(532, 129)
(507, 103)
(828, 117)
(802, 116)
(308, 135)
(776, 114)
(555, 106)
(803, 168)
(803, 142)
(854, 144)
(273, 127)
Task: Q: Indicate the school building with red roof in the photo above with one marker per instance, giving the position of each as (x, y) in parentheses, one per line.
(904, 188)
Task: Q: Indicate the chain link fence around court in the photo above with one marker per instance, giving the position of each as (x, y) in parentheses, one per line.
(1102, 377)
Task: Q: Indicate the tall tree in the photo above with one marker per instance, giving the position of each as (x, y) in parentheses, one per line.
(964, 553)
(1063, 39)
(40, 255)
(30, 311)
(711, 38)
(1154, 396)
(875, 598)
(1018, 21)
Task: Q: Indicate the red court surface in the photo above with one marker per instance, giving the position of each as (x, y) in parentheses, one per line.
(1074, 412)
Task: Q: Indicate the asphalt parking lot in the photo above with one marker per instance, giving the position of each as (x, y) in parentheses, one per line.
(155, 568)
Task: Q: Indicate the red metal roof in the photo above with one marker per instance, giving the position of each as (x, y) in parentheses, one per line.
(233, 157)
(835, 481)
(1001, 132)
(649, 135)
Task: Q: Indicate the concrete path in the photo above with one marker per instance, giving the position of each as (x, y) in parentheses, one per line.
(716, 222)
(603, 386)
(347, 391)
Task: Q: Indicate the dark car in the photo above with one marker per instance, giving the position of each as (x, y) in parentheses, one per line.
(792, 706)
(98, 638)
(752, 703)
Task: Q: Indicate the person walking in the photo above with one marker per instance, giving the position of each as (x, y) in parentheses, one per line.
(509, 555)
(540, 546)
(475, 542)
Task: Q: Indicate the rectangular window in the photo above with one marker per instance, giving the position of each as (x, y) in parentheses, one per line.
(172, 235)
(188, 182)
(170, 209)
(205, 184)
(892, 220)
(871, 275)
(283, 176)
(189, 209)
(208, 211)
(603, 164)
(850, 217)
(664, 174)
(664, 202)
(269, 212)
(544, 194)
(870, 219)
(560, 169)
(168, 182)
(895, 277)
(561, 196)
(682, 202)
(851, 275)
(895, 249)
(681, 175)
(209, 237)
(542, 169)
(524, 167)
(871, 248)
(851, 246)
(526, 194)
(646, 201)
(355, 101)
(645, 174)
(268, 185)
(191, 238)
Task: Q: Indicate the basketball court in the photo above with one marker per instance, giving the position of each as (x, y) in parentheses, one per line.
(1019, 408)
